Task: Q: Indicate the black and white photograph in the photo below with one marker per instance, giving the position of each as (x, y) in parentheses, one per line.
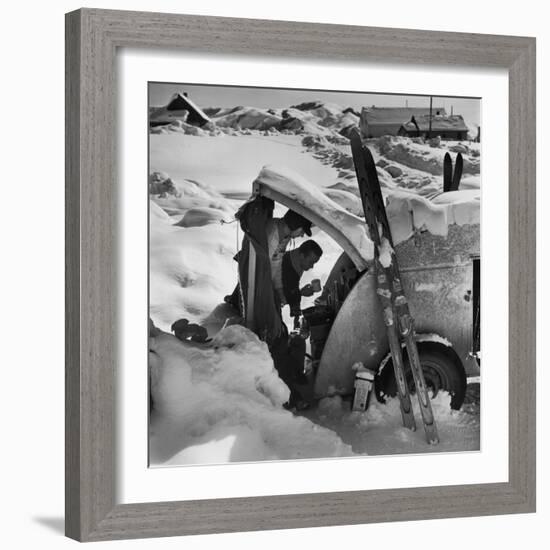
(314, 274)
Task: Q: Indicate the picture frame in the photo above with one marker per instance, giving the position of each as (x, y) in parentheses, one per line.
(92, 39)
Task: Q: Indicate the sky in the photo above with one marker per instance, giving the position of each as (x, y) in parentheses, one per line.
(232, 96)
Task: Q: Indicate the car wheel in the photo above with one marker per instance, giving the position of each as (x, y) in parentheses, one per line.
(441, 373)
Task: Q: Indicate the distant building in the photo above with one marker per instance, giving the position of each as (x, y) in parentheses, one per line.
(180, 107)
(445, 127)
(384, 121)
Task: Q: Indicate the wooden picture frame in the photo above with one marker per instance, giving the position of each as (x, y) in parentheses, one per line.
(92, 39)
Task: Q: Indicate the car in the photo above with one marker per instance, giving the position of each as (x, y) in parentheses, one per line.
(437, 244)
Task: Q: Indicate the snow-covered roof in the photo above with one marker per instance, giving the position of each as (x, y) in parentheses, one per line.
(177, 104)
(295, 192)
(439, 123)
(396, 115)
(180, 101)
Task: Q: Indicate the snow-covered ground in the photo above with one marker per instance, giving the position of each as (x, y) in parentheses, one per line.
(222, 401)
(380, 431)
(231, 163)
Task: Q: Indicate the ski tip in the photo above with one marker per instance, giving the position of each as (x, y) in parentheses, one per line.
(355, 140)
(354, 133)
(368, 154)
(357, 146)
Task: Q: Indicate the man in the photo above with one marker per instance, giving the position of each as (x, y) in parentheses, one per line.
(293, 266)
(289, 358)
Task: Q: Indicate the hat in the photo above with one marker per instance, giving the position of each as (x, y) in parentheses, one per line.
(295, 220)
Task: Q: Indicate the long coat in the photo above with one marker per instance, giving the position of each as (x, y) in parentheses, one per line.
(253, 217)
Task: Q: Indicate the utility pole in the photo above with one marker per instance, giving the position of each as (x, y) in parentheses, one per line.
(430, 126)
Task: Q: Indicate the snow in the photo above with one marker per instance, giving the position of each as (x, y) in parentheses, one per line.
(230, 163)
(408, 213)
(322, 120)
(197, 217)
(380, 431)
(433, 338)
(190, 268)
(157, 214)
(386, 252)
(346, 200)
(222, 401)
(413, 154)
(330, 215)
(248, 118)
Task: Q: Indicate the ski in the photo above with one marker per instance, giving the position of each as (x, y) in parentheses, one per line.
(397, 318)
(457, 173)
(447, 173)
(451, 178)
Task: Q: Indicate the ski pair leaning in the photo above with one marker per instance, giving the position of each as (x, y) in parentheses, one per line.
(451, 178)
(397, 318)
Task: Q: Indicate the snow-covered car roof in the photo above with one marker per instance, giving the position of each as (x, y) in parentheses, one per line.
(408, 212)
(295, 192)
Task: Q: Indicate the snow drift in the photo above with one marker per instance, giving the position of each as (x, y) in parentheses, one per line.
(223, 403)
(414, 154)
(190, 267)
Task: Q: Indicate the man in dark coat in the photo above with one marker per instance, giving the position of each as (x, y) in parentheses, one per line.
(294, 264)
(290, 365)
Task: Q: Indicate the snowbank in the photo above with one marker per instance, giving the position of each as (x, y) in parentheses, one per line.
(223, 403)
(230, 163)
(157, 213)
(247, 118)
(421, 156)
(191, 269)
(319, 119)
(197, 217)
(178, 195)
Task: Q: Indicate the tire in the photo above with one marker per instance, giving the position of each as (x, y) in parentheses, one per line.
(441, 372)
